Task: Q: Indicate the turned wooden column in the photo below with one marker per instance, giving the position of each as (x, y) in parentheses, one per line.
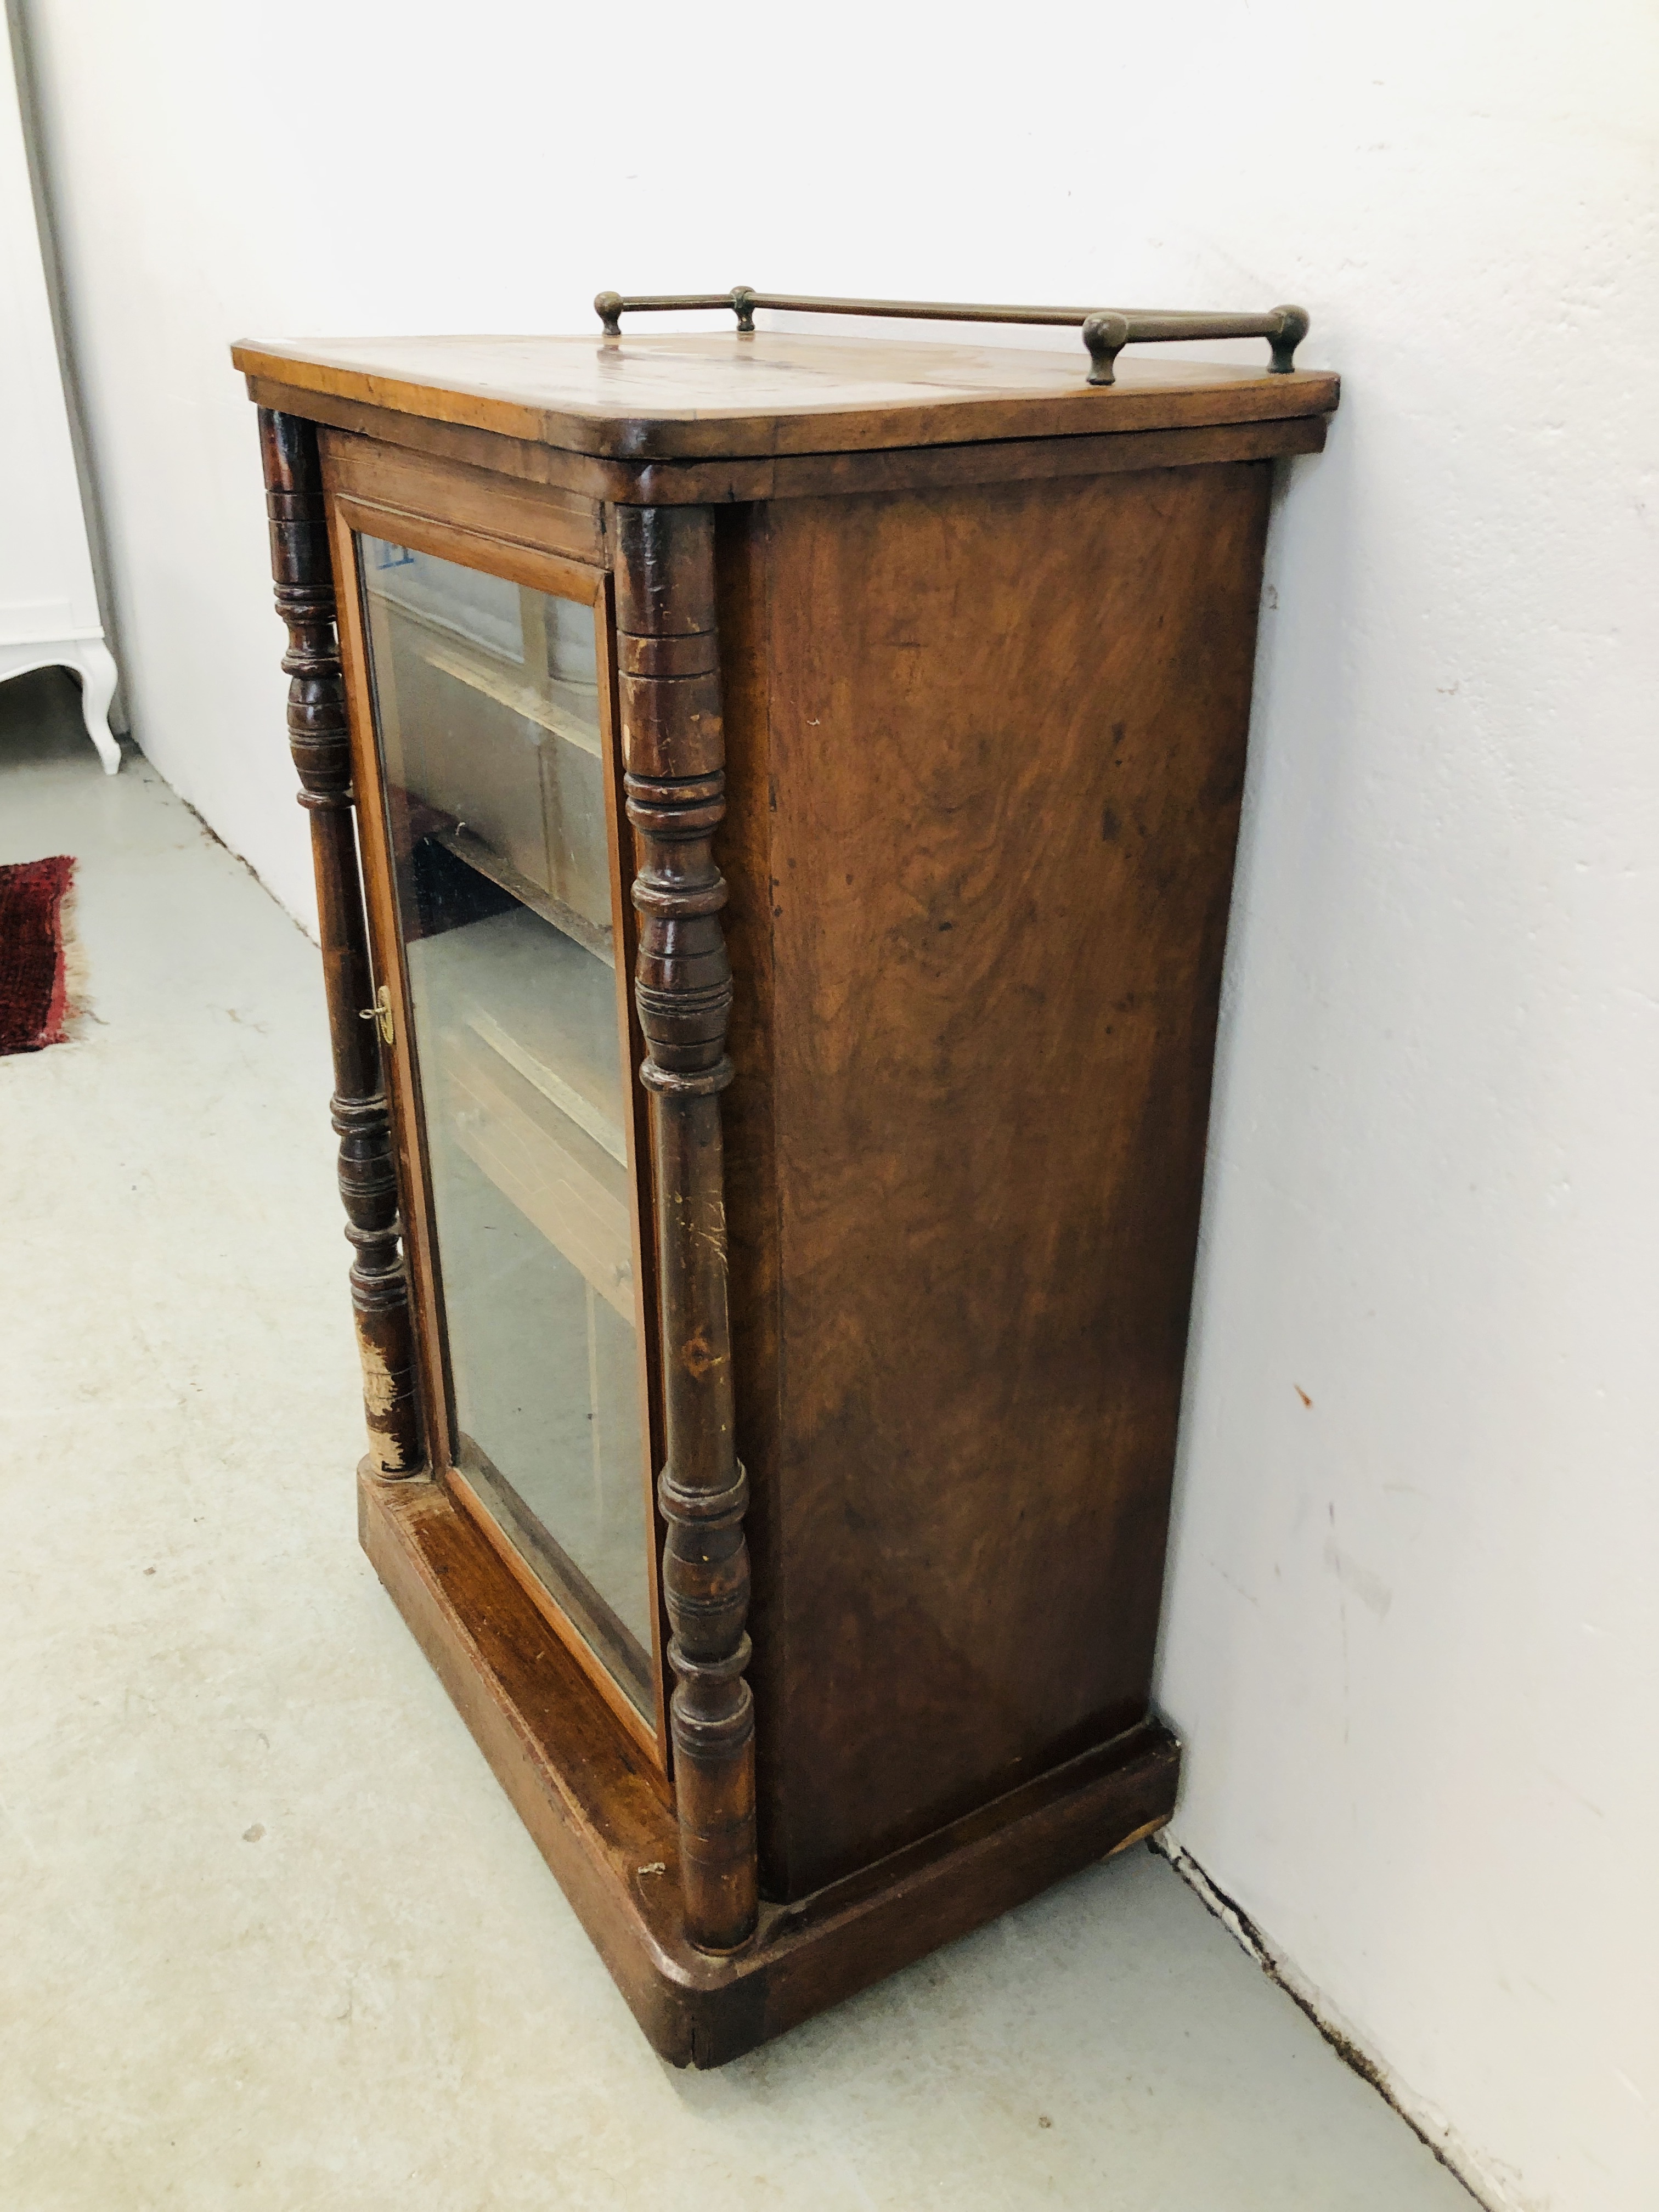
(320, 738)
(674, 753)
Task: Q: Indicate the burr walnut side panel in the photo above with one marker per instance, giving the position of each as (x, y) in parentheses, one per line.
(1006, 734)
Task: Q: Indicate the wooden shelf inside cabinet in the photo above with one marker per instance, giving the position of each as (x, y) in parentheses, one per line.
(527, 1099)
(548, 711)
(801, 1316)
(592, 937)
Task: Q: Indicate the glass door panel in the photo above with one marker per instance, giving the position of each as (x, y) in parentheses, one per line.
(486, 705)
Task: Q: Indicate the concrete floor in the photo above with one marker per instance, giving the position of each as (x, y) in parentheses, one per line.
(271, 1932)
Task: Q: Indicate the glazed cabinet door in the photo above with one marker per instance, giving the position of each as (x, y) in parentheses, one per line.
(484, 678)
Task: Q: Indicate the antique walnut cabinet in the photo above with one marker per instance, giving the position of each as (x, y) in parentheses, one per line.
(774, 801)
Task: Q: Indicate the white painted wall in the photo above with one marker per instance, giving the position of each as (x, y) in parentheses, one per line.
(48, 600)
(1411, 1639)
(45, 572)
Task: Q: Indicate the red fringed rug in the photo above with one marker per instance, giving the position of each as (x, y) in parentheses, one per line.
(33, 963)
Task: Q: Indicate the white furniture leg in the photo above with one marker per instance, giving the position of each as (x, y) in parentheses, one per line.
(94, 663)
(97, 665)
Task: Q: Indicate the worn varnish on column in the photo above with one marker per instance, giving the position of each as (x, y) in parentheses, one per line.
(668, 669)
(320, 742)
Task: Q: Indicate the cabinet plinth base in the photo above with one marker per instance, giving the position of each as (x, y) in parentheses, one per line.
(600, 1817)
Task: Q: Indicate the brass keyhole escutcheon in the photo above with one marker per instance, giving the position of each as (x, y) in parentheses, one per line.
(380, 1012)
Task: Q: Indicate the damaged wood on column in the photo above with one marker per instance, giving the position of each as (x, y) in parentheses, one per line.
(319, 740)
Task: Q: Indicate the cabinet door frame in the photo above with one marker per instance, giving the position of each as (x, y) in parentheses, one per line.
(554, 572)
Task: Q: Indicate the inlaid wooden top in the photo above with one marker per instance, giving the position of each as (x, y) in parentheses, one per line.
(665, 397)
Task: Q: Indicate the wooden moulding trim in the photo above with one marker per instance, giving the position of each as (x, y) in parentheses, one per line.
(804, 476)
(395, 477)
(617, 1702)
(586, 1796)
(554, 572)
(516, 561)
(402, 1083)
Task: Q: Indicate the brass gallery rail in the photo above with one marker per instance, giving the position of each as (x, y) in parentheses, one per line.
(1106, 331)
